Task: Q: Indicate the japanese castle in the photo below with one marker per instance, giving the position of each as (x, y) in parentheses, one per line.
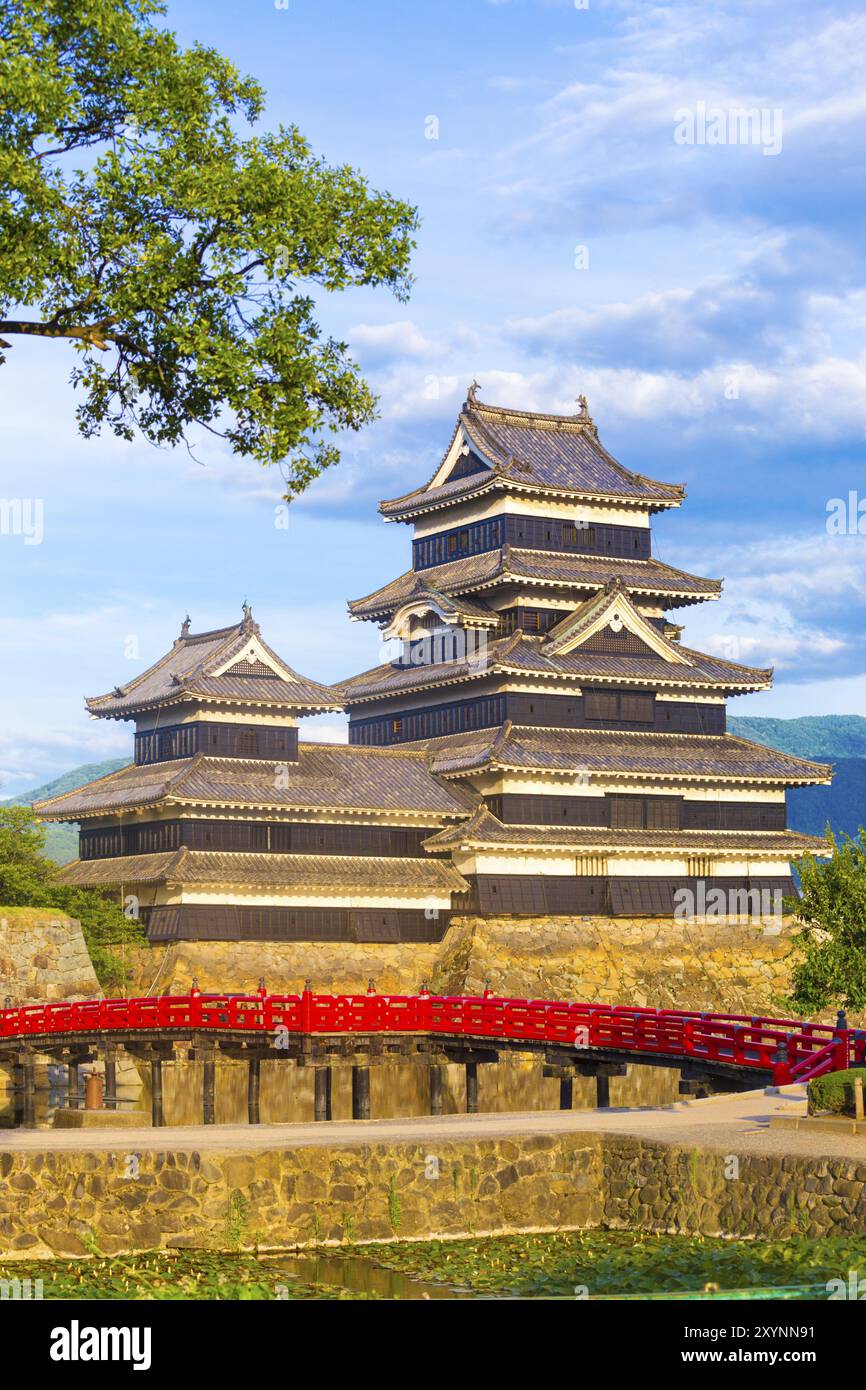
(541, 741)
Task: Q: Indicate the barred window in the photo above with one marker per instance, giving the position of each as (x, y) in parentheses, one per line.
(662, 813)
(600, 704)
(636, 709)
(627, 812)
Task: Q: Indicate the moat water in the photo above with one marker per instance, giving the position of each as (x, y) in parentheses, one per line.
(571, 1265)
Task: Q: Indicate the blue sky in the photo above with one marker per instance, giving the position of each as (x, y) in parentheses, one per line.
(708, 298)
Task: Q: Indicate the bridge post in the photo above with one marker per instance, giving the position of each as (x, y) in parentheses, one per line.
(566, 1092)
(73, 1083)
(602, 1091)
(360, 1093)
(209, 1088)
(254, 1072)
(110, 1079)
(435, 1075)
(26, 1108)
(471, 1088)
(323, 1093)
(157, 1109)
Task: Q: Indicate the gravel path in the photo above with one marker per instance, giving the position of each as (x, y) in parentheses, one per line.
(737, 1123)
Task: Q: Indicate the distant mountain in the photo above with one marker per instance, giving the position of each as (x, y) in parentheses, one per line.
(834, 738)
(822, 736)
(61, 841)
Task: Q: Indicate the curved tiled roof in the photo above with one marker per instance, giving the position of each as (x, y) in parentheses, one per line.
(536, 452)
(422, 592)
(610, 752)
(587, 573)
(326, 777)
(483, 828)
(187, 672)
(284, 871)
(521, 654)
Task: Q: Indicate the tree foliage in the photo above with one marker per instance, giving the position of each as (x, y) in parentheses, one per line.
(28, 879)
(179, 254)
(832, 934)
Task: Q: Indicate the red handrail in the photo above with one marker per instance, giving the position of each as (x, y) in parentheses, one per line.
(791, 1049)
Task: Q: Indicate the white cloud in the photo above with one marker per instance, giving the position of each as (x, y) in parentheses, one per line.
(789, 601)
(378, 341)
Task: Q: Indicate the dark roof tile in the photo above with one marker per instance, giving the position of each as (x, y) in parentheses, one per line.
(327, 777)
(527, 450)
(657, 756)
(580, 574)
(284, 871)
(187, 672)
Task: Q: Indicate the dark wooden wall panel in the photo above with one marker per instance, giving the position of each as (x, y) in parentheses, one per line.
(568, 895)
(632, 812)
(254, 837)
(632, 710)
(531, 533)
(195, 922)
(218, 740)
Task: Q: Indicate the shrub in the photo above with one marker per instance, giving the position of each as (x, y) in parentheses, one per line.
(28, 879)
(835, 1091)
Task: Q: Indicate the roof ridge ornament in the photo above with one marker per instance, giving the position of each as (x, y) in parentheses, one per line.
(472, 394)
(583, 416)
(248, 624)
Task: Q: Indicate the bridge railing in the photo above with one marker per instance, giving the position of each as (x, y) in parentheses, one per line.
(789, 1048)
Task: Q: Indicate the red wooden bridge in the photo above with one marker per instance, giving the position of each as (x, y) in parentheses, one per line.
(712, 1051)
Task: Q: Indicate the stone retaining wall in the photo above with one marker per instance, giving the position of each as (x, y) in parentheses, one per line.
(43, 956)
(78, 1202)
(725, 967)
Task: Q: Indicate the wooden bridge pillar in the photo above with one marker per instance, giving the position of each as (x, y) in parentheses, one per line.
(110, 1079)
(323, 1093)
(25, 1078)
(602, 1090)
(209, 1089)
(566, 1092)
(157, 1109)
(471, 1088)
(360, 1093)
(435, 1074)
(73, 1082)
(254, 1072)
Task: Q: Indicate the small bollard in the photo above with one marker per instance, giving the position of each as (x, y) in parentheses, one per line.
(93, 1092)
(858, 1098)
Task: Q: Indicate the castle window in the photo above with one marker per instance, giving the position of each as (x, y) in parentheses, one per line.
(600, 704)
(627, 812)
(637, 709)
(662, 813)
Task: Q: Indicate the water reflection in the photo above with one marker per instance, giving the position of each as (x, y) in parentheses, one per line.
(358, 1275)
(398, 1089)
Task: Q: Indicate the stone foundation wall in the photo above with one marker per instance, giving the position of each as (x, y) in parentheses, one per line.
(75, 1203)
(735, 968)
(43, 956)
(648, 962)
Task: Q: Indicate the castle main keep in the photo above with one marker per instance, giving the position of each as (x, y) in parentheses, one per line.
(540, 742)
